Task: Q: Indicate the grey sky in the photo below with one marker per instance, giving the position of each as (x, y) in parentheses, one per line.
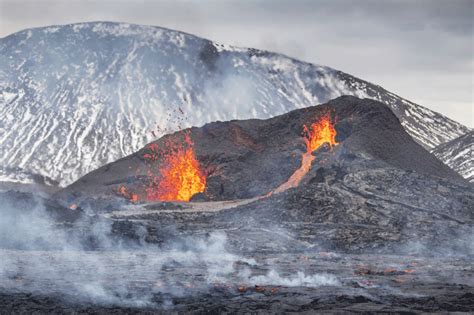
(420, 50)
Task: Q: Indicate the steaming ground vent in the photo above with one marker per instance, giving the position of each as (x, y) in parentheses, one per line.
(318, 133)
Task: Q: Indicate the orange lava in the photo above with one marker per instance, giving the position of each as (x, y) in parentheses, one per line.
(180, 176)
(320, 132)
(122, 190)
(242, 288)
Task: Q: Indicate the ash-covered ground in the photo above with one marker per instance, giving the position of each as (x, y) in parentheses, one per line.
(376, 224)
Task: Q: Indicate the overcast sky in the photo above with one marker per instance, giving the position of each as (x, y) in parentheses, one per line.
(420, 50)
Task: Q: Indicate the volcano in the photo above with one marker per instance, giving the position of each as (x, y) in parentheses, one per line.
(348, 160)
(251, 158)
(79, 96)
(327, 208)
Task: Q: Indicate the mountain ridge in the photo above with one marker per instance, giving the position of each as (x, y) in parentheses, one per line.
(458, 154)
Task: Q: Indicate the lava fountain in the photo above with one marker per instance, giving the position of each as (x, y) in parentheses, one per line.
(320, 132)
(180, 175)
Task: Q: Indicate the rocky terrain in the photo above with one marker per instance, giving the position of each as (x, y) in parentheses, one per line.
(76, 97)
(374, 223)
(363, 283)
(359, 194)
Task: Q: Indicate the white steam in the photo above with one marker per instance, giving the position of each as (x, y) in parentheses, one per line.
(300, 279)
(38, 256)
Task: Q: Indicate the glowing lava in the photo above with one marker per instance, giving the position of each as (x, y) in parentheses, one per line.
(320, 132)
(122, 191)
(180, 176)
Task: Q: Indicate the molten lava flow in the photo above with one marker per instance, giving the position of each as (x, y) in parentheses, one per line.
(320, 132)
(180, 176)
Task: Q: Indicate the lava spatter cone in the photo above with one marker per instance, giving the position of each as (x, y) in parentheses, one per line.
(250, 158)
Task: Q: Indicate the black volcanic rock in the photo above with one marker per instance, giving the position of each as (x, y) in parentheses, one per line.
(355, 208)
(249, 158)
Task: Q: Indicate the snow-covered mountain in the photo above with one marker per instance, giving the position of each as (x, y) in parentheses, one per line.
(458, 154)
(75, 97)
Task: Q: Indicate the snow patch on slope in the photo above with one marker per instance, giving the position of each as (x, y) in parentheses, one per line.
(458, 154)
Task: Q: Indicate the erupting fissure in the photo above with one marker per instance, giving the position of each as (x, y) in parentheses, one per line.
(180, 176)
(320, 132)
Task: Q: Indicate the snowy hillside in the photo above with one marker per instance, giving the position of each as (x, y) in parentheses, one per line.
(458, 154)
(75, 97)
